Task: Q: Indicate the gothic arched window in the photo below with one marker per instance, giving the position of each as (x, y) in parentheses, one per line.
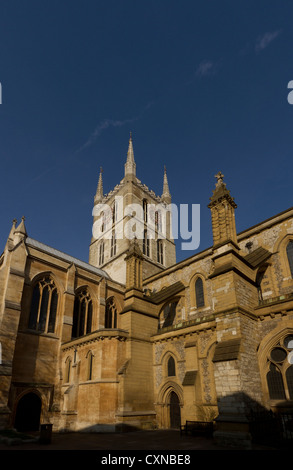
(171, 367)
(145, 210)
(101, 253)
(111, 314)
(44, 305)
(90, 358)
(113, 244)
(289, 250)
(67, 369)
(199, 293)
(160, 257)
(280, 374)
(82, 314)
(146, 244)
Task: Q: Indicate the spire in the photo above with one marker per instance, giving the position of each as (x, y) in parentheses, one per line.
(10, 236)
(166, 196)
(21, 228)
(20, 232)
(99, 194)
(130, 166)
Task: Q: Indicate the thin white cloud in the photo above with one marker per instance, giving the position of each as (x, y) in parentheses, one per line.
(102, 126)
(107, 123)
(265, 40)
(205, 68)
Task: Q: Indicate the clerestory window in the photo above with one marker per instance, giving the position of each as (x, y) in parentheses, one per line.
(199, 293)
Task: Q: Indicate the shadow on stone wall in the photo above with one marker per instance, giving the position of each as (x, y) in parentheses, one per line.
(242, 420)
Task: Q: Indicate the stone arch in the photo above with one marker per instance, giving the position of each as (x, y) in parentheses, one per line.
(167, 388)
(59, 284)
(280, 248)
(165, 359)
(170, 408)
(28, 409)
(168, 312)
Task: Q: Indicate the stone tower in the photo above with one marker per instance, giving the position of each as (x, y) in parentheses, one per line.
(131, 210)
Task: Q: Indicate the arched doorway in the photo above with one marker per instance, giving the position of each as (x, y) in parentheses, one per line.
(28, 413)
(175, 415)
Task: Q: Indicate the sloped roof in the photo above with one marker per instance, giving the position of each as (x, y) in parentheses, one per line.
(70, 259)
(257, 256)
(167, 292)
(227, 350)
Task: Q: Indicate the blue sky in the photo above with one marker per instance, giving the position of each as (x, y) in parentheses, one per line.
(202, 86)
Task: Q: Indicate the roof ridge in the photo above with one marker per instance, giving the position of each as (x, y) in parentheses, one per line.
(54, 251)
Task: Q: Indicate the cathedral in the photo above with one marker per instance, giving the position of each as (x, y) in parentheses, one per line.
(134, 340)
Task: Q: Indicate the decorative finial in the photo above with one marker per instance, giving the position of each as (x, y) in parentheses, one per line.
(219, 177)
(130, 137)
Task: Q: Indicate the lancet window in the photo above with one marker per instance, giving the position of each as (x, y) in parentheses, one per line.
(146, 244)
(82, 314)
(199, 293)
(111, 314)
(171, 367)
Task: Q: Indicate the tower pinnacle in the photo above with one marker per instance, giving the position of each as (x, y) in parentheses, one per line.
(166, 196)
(130, 166)
(99, 194)
(222, 207)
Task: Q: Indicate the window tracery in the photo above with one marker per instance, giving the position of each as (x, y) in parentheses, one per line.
(111, 314)
(280, 374)
(44, 303)
(82, 314)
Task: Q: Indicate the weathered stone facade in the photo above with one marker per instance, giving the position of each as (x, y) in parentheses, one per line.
(134, 339)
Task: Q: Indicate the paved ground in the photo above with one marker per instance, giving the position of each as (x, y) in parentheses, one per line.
(142, 440)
